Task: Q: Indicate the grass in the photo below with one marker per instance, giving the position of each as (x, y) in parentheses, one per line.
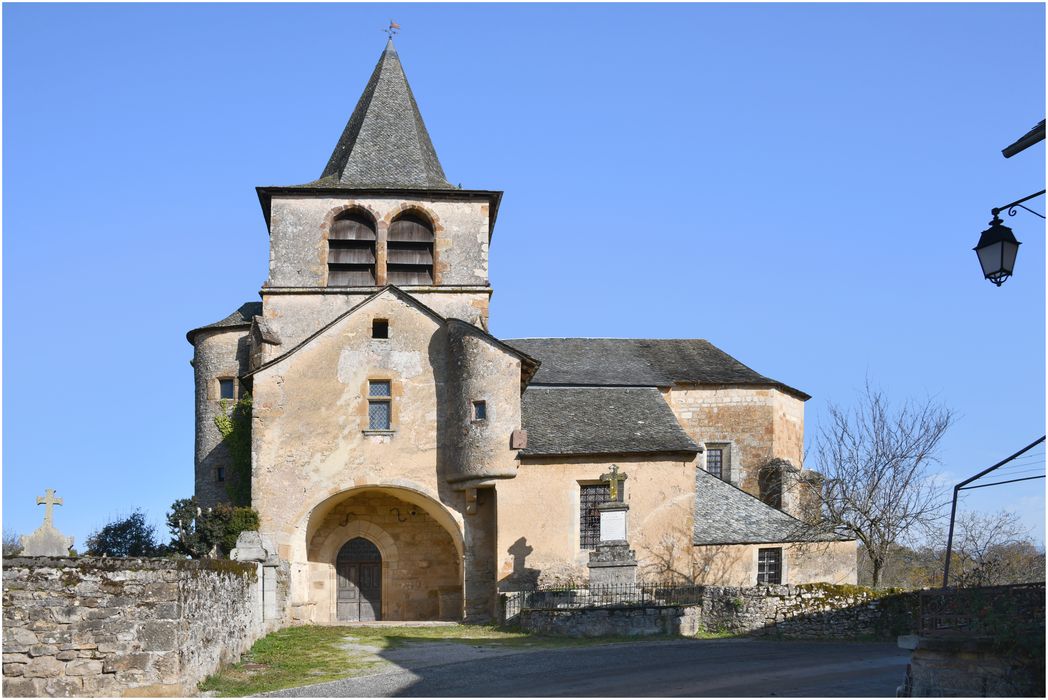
(305, 655)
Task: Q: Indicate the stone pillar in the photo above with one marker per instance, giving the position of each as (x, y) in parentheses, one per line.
(479, 565)
(613, 563)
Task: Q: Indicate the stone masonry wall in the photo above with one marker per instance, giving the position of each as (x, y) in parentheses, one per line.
(816, 611)
(112, 627)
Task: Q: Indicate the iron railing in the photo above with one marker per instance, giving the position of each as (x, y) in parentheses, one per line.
(601, 596)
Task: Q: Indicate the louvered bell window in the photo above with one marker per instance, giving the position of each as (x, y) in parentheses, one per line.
(351, 251)
(409, 251)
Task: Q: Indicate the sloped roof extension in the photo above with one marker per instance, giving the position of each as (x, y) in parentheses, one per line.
(725, 514)
(600, 420)
(639, 362)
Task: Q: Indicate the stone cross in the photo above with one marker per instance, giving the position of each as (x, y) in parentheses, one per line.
(614, 480)
(48, 500)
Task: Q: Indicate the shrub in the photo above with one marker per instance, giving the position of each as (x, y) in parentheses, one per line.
(127, 537)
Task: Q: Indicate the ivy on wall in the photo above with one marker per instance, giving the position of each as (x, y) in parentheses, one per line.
(234, 424)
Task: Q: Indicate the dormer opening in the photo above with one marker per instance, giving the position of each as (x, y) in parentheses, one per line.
(409, 250)
(351, 250)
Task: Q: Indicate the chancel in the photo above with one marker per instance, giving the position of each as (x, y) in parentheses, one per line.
(408, 465)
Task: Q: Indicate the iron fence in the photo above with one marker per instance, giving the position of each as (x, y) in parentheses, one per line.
(601, 596)
(990, 611)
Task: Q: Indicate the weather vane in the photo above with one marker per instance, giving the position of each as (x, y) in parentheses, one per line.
(392, 29)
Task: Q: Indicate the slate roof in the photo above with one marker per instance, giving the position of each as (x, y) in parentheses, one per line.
(240, 317)
(637, 362)
(600, 420)
(385, 143)
(725, 514)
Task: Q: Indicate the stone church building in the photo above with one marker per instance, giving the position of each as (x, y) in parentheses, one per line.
(408, 465)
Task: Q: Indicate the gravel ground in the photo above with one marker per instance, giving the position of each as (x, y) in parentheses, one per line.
(725, 668)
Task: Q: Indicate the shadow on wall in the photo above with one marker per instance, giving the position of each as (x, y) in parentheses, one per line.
(521, 577)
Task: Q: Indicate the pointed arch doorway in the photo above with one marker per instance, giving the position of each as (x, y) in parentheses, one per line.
(358, 569)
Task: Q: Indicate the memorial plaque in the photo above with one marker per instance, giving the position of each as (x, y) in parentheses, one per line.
(612, 525)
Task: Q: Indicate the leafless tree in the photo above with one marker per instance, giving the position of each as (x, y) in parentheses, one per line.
(12, 544)
(875, 461)
(992, 549)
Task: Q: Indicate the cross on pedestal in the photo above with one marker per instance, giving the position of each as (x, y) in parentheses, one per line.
(48, 500)
(614, 480)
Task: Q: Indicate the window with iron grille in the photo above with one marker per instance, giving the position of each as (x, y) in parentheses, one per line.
(718, 460)
(380, 405)
(769, 565)
(591, 496)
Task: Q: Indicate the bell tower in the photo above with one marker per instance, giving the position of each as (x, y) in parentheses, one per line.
(381, 213)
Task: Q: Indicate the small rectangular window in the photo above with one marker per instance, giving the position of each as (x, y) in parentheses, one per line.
(380, 328)
(480, 410)
(220, 474)
(226, 389)
(380, 406)
(769, 565)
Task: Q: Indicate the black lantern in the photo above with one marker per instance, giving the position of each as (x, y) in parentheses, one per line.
(997, 250)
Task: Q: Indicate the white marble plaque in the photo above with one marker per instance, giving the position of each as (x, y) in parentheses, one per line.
(612, 525)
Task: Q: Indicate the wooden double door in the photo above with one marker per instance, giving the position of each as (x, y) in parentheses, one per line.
(358, 569)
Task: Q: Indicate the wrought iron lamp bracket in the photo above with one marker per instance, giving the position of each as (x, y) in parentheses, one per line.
(1010, 208)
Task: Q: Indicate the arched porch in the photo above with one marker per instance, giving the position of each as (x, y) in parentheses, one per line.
(419, 546)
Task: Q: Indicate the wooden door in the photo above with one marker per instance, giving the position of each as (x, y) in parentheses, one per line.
(359, 572)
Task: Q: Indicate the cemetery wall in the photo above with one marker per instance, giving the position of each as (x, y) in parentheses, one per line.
(109, 627)
(816, 611)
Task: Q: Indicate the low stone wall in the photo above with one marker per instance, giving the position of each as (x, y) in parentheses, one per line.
(623, 622)
(109, 627)
(815, 611)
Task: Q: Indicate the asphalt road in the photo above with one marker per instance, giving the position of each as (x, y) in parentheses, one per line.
(726, 668)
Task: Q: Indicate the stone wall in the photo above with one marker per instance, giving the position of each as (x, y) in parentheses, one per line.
(111, 627)
(816, 611)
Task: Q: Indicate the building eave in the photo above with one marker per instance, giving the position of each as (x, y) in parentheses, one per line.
(493, 197)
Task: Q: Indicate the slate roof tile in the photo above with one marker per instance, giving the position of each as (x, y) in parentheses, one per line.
(600, 420)
(725, 514)
(385, 143)
(638, 362)
(240, 317)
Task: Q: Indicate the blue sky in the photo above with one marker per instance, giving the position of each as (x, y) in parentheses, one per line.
(799, 184)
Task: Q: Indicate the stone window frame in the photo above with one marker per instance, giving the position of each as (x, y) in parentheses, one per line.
(380, 240)
(389, 400)
(439, 240)
(779, 564)
(482, 405)
(729, 469)
(218, 388)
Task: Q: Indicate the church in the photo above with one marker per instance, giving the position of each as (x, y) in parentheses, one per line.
(408, 465)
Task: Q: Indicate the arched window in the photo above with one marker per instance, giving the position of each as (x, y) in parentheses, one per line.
(409, 250)
(351, 250)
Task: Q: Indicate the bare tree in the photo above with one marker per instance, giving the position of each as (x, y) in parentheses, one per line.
(875, 461)
(992, 549)
(12, 544)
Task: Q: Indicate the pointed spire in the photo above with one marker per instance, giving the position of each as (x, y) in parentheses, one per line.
(385, 143)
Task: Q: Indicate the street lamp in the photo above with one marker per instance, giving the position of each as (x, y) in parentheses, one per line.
(997, 249)
(998, 246)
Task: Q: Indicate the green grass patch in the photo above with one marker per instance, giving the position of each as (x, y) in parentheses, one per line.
(291, 657)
